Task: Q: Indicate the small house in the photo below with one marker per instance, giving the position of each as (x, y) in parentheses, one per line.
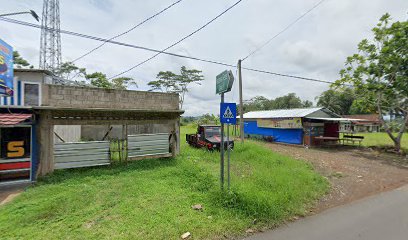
(364, 122)
(293, 126)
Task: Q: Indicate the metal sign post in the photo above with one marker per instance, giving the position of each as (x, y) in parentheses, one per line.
(224, 83)
(229, 153)
(228, 115)
(222, 149)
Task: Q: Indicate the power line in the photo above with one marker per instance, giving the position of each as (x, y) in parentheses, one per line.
(115, 42)
(182, 39)
(287, 75)
(127, 31)
(163, 52)
(284, 29)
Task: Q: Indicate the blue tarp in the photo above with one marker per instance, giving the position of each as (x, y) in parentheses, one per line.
(283, 135)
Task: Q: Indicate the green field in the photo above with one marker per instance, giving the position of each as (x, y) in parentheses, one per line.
(382, 139)
(152, 199)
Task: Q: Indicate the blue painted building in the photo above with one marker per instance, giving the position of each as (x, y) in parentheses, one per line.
(19, 153)
(292, 126)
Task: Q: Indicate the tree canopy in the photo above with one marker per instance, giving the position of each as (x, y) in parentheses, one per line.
(379, 73)
(168, 81)
(342, 101)
(19, 61)
(70, 71)
(99, 79)
(288, 101)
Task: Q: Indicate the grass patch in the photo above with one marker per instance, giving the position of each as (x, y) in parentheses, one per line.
(381, 139)
(152, 199)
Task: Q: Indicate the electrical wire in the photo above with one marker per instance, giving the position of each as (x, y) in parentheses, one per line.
(284, 29)
(112, 42)
(127, 31)
(163, 52)
(179, 41)
(287, 75)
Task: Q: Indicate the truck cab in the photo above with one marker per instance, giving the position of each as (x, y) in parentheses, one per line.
(208, 136)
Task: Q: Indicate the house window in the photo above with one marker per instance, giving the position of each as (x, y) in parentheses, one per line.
(31, 94)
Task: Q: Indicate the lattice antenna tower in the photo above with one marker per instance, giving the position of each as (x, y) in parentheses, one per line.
(50, 49)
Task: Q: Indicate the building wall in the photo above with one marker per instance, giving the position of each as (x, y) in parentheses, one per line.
(291, 136)
(19, 79)
(84, 97)
(143, 112)
(69, 133)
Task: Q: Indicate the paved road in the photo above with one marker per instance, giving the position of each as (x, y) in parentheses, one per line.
(380, 217)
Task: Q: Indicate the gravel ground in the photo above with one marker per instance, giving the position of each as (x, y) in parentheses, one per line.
(353, 172)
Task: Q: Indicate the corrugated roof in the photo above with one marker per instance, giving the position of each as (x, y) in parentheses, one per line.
(336, 119)
(13, 118)
(367, 117)
(282, 113)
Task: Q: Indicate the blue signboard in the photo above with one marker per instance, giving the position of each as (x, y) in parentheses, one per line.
(228, 113)
(6, 69)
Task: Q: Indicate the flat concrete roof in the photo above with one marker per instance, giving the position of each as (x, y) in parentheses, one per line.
(34, 71)
(90, 109)
(105, 109)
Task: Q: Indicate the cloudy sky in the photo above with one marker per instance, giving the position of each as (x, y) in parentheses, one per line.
(315, 47)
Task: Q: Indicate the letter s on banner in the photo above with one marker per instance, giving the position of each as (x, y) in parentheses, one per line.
(15, 149)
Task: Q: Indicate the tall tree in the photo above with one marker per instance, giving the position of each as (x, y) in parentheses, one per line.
(288, 101)
(70, 71)
(379, 73)
(188, 76)
(19, 61)
(339, 101)
(123, 83)
(100, 80)
(307, 104)
(177, 83)
(166, 82)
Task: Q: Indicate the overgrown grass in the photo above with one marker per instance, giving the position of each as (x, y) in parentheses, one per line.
(152, 199)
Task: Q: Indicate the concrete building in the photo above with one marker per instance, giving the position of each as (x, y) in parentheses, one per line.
(41, 114)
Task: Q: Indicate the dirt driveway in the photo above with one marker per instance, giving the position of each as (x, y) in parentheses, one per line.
(354, 173)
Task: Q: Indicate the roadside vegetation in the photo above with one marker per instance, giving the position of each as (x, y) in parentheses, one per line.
(153, 199)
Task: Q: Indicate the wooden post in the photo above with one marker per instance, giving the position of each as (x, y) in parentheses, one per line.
(127, 143)
(123, 142)
(46, 144)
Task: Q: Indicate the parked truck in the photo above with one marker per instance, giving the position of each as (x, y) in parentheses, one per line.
(208, 136)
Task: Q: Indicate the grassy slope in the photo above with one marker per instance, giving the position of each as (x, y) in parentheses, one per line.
(152, 199)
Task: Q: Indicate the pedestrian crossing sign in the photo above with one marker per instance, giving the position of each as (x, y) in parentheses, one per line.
(228, 113)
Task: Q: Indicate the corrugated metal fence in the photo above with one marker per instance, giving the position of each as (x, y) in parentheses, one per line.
(96, 153)
(148, 145)
(81, 154)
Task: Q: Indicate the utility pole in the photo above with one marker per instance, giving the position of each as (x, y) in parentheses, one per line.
(241, 106)
(50, 49)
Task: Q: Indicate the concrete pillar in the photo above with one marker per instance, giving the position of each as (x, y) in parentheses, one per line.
(176, 137)
(46, 144)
